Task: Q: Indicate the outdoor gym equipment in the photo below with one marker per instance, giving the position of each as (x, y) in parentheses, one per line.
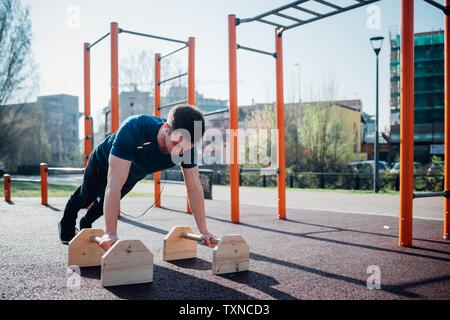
(126, 262)
(190, 44)
(231, 253)
(114, 34)
(44, 169)
(406, 100)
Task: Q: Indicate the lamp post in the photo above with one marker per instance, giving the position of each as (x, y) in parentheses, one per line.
(376, 45)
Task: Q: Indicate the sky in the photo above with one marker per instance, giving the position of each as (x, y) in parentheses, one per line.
(334, 52)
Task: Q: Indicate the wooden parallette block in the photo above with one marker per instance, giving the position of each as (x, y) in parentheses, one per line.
(231, 254)
(83, 252)
(176, 247)
(126, 262)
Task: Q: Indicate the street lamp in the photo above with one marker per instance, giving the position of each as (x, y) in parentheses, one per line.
(376, 45)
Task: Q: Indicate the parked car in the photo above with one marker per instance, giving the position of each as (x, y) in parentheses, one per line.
(369, 165)
(2, 169)
(396, 168)
(436, 168)
(361, 167)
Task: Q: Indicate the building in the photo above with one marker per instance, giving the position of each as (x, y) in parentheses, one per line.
(61, 118)
(54, 130)
(428, 95)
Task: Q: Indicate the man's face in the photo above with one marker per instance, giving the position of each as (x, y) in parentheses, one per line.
(176, 144)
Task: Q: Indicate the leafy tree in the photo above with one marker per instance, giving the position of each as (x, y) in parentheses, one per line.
(18, 79)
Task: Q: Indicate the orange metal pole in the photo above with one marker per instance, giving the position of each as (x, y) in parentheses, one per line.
(44, 185)
(87, 105)
(157, 113)
(233, 137)
(114, 77)
(7, 187)
(447, 123)
(406, 124)
(191, 88)
(281, 159)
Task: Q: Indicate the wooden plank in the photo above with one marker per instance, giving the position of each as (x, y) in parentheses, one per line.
(127, 262)
(231, 254)
(83, 252)
(176, 247)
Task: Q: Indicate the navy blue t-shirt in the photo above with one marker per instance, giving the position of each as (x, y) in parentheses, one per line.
(136, 141)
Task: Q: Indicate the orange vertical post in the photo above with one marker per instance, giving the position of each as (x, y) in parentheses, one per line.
(44, 185)
(114, 77)
(406, 123)
(7, 187)
(87, 104)
(191, 87)
(447, 122)
(233, 126)
(157, 113)
(281, 159)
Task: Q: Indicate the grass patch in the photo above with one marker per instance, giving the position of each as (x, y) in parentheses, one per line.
(33, 189)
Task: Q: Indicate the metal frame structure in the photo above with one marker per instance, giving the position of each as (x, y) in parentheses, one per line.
(190, 44)
(406, 109)
(233, 22)
(88, 122)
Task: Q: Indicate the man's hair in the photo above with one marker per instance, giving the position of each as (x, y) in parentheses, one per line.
(185, 116)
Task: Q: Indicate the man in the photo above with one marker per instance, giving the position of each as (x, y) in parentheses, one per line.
(143, 144)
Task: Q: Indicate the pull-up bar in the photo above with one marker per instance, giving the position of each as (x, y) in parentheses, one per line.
(171, 104)
(445, 194)
(216, 112)
(172, 78)
(172, 52)
(90, 46)
(152, 36)
(273, 54)
(260, 170)
(297, 5)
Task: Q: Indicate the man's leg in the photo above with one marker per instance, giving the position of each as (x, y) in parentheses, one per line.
(94, 183)
(96, 209)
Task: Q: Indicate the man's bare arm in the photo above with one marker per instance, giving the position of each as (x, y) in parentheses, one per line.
(196, 200)
(117, 175)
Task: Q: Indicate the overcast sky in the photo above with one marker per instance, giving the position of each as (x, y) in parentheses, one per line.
(336, 48)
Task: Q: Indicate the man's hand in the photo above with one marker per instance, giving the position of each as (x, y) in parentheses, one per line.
(107, 241)
(206, 236)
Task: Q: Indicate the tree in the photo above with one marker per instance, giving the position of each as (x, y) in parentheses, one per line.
(327, 141)
(18, 76)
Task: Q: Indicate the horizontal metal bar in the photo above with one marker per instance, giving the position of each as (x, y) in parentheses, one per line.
(436, 4)
(260, 170)
(91, 45)
(172, 52)
(271, 23)
(216, 112)
(172, 104)
(432, 194)
(287, 17)
(330, 5)
(152, 36)
(23, 180)
(354, 6)
(308, 11)
(75, 170)
(173, 78)
(170, 181)
(256, 50)
(265, 14)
